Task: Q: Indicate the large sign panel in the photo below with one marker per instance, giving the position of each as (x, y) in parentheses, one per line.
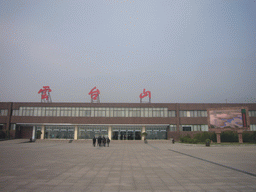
(230, 118)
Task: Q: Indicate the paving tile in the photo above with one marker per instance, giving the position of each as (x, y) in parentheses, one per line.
(125, 167)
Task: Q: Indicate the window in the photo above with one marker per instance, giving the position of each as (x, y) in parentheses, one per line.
(252, 113)
(186, 128)
(3, 112)
(35, 111)
(204, 127)
(252, 127)
(58, 112)
(39, 111)
(150, 112)
(15, 112)
(193, 127)
(43, 111)
(90, 112)
(172, 127)
(193, 113)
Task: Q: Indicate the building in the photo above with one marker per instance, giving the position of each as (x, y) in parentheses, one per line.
(122, 121)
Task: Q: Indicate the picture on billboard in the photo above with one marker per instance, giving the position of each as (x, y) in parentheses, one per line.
(231, 118)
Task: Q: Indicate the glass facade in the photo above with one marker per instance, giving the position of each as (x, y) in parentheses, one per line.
(193, 127)
(88, 132)
(173, 128)
(252, 113)
(59, 132)
(193, 113)
(3, 112)
(253, 127)
(156, 132)
(93, 112)
(126, 133)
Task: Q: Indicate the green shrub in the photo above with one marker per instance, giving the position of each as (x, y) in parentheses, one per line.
(198, 136)
(229, 136)
(249, 137)
(213, 137)
(254, 136)
(201, 137)
(185, 139)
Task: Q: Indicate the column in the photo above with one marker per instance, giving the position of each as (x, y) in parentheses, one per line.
(240, 135)
(33, 133)
(143, 130)
(218, 132)
(177, 117)
(75, 133)
(42, 130)
(218, 137)
(109, 132)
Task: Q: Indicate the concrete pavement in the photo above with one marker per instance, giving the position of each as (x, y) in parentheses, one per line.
(125, 166)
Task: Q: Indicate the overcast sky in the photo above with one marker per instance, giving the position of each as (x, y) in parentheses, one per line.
(183, 51)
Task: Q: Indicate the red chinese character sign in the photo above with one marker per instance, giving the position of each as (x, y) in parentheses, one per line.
(45, 94)
(145, 94)
(95, 95)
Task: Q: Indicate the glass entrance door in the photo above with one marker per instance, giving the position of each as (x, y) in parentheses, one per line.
(137, 135)
(130, 135)
(123, 135)
(126, 133)
(115, 135)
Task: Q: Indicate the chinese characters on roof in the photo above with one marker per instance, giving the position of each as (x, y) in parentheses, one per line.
(145, 94)
(95, 95)
(45, 94)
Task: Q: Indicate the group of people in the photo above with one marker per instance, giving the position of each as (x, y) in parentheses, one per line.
(100, 140)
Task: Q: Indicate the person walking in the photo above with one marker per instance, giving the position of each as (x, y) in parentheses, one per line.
(108, 141)
(94, 141)
(99, 141)
(104, 141)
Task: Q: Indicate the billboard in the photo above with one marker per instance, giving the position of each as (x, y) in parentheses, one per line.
(230, 118)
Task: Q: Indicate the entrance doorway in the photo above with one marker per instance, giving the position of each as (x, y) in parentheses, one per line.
(115, 135)
(126, 133)
(130, 135)
(123, 135)
(137, 135)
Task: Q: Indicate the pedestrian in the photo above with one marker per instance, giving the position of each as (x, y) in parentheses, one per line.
(99, 141)
(94, 141)
(108, 141)
(104, 141)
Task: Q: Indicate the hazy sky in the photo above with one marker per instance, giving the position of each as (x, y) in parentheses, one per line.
(183, 51)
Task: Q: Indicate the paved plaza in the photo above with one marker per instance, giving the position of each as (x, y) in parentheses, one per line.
(125, 166)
